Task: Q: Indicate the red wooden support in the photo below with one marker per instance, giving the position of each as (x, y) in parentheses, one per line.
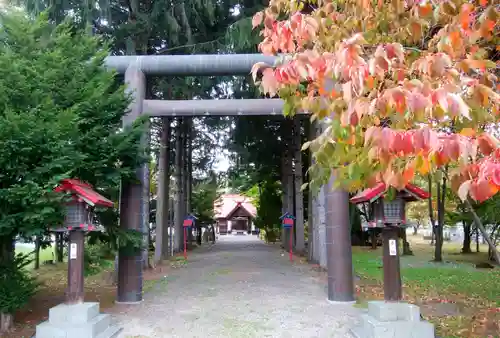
(185, 243)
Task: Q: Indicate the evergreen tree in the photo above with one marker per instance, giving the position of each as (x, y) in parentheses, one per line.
(61, 118)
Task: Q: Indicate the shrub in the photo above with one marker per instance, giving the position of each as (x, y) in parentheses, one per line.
(17, 285)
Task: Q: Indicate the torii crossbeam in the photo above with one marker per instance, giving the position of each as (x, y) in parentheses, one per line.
(133, 215)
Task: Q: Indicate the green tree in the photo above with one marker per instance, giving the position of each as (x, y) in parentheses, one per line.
(269, 209)
(61, 118)
(418, 213)
(205, 192)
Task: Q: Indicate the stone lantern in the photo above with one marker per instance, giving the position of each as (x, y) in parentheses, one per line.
(392, 317)
(75, 318)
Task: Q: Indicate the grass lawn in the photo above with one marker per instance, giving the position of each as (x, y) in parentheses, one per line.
(45, 254)
(461, 300)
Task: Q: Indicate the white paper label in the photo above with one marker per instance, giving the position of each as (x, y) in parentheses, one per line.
(72, 251)
(392, 247)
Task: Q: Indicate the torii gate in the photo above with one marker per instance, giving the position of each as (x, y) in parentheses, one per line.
(136, 68)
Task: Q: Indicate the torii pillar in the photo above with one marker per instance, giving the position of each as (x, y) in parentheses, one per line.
(130, 264)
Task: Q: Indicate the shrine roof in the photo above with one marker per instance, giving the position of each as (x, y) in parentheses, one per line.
(227, 204)
(85, 191)
(373, 193)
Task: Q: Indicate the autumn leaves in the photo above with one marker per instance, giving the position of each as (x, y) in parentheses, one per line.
(361, 62)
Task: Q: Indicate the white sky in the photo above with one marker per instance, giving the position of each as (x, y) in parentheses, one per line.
(222, 162)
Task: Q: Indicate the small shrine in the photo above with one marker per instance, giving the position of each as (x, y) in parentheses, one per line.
(287, 220)
(76, 318)
(383, 211)
(189, 221)
(79, 210)
(391, 315)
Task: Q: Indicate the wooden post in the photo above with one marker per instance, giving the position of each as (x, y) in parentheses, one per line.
(185, 243)
(392, 277)
(75, 292)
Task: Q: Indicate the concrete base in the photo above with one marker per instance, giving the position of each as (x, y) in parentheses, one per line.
(77, 321)
(393, 320)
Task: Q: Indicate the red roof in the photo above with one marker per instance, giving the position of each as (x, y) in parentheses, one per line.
(371, 194)
(227, 204)
(85, 191)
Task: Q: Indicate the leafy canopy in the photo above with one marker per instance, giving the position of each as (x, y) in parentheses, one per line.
(406, 87)
(61, 118)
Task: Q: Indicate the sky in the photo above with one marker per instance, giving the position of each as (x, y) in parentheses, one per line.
(221, 162)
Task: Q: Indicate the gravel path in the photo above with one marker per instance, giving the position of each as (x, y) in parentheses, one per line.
(239, 287)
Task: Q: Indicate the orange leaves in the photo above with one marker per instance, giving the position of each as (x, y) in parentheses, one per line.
(425, 9)
(465, 17)
(451, 103)
(268, 81)
(422, 164)
(463, 190)
(355, 111)
(409, 104)
(481, 190)
(434, 65)
(481, 65)
(285, 36)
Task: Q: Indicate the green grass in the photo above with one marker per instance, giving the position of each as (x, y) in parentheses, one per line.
(473, 291)
(45, 254)
(455, 279)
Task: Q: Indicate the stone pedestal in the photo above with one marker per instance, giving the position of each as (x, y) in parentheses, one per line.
(393, 320)
(77, 321)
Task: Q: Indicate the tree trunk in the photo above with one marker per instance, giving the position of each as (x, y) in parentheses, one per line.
(186, 176)
(494, 239)
(6, 322)
(291, 193)
(467, 238)
(415, 229)
(198, 234)
(311, 226)
(299, 196)
(145, 216)
(431, 208)
(406, 246)
(60, 247)
(162, 199)
(179, 196)
(486, 236)
(189, 174)
(318, 214)
(373, 239)
(441, 195)
(166, 190)
(37, 252)
(6, 256)
(477, 239)
(284, 197)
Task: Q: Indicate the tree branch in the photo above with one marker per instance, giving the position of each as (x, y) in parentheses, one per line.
(485, 234)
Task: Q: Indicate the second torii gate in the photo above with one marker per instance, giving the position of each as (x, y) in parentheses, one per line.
(132, 196)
